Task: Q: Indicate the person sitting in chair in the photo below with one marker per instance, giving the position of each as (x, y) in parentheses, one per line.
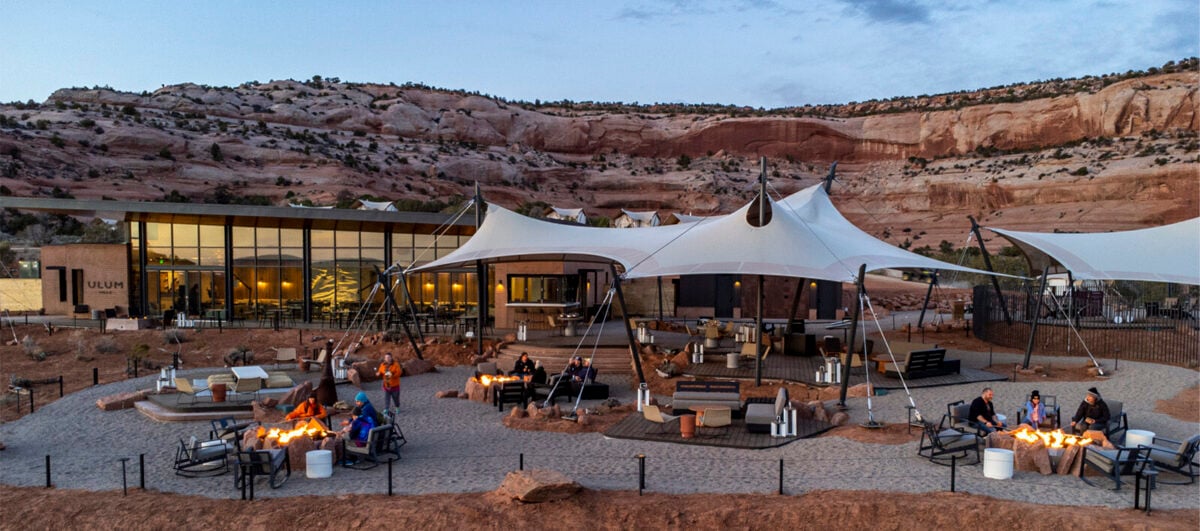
(1034, 410)
(585, 372)
(539, 373)
(1092, 413)
(309, 409)
(363, 420)
(983, 413)
(523, 367)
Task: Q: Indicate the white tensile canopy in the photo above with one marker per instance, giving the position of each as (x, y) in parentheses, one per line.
(806, 237)
(1170, 253)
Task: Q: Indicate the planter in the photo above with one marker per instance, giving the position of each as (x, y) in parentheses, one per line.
(218, 392)
(687, 426)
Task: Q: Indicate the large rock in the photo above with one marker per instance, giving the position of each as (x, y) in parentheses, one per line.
(839, 419)
(267, 415)
(450, 393)
(121, 401)
(536, 486)
(298, 394)
(414, 367)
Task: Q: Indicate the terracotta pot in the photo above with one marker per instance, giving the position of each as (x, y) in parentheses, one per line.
(687, 426)
(303, 365)
(218, 392)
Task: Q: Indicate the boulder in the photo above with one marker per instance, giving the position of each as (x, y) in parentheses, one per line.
(536, 486)
(681, 360)
(267, 415)
(477, 391)
(803, 411)
(518, 413)
(449, 393)
(861, 390)
(355, 377)
(366, 371)
(269, 402)
(298, 394)
(819, 413)
(585, 420)
(414, 367)
(121, 400)
(839, 419)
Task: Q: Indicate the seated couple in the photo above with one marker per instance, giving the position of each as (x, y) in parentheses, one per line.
(527, 369)
(577, 371)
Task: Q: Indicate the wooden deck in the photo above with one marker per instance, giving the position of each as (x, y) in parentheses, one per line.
(803, 369)
(733, 436)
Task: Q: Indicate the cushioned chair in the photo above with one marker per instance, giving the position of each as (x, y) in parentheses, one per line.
(714, 417)
(655, 415)
(183, 387)
(1118, 422)
(1053, 412)
(380, 443)
(488, 367)
(1112, 463)
(274, 464)
(320, 360)
(195, 458)
(1176, 456)
(228, 429)
(957, 418)
(761, 412)
(942, 444)
(511, 393)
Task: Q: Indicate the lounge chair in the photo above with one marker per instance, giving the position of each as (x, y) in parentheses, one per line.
(762, 411)
(285, 355)
(714, 417)
(958, 418)
(1053, 412)
(942, 444)
(653, 414)
(1118, 422)
(274, 464)
(196, 458)
(183, 387)
(380, 443)
(1113, 463)
(320, 360)
(1176, 456)
(246, 386)
(512, 393)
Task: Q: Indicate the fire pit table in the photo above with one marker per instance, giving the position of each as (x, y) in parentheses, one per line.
(1047, 452)
(298, 441)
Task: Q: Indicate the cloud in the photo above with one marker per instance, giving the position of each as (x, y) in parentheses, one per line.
(889, 10)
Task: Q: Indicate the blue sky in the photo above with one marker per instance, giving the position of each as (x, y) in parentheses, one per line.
(760, 53)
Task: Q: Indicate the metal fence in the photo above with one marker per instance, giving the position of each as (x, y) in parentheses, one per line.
(1109, 327)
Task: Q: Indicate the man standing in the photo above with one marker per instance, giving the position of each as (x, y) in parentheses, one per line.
(983, 413)
(390, 371)
(1092, 413)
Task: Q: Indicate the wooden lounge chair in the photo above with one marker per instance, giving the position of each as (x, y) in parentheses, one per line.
(653, 414)
(183, 387)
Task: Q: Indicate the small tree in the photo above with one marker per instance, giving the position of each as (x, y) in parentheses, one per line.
(215, 151)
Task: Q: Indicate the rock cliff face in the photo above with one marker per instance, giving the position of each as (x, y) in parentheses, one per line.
(1122, 156)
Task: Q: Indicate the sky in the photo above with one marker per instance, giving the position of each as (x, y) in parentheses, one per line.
(758, 53)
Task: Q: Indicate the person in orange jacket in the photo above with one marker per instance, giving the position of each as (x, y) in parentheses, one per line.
(309, 409)
(390, 371)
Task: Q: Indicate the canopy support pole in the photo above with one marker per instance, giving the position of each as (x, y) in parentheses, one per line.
(795, 308)
(1037, 314)
(481, 279)
(928, 294)
(391, 301)
(862, 273)
(758, 336)
(987, 261)
(830, 176)
(633, 350)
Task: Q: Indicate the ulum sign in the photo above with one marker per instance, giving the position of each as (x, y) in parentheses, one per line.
(105, 284)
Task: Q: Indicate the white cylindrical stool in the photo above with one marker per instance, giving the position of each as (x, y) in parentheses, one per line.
(731, 360)
(319, 464)
(1135, 437)
(997, 463)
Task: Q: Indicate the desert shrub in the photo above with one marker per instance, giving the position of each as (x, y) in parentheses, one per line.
(173, 336)
(33, 349)
(107, 345)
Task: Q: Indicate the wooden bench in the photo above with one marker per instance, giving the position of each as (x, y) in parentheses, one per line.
(921, 364)
(714, 393)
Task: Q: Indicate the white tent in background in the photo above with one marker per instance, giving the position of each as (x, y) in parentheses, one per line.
(629, 219)
(298, 205)
(574, 215)
(1170, 253)
(677, 217)
(806, 237)
(381, 206)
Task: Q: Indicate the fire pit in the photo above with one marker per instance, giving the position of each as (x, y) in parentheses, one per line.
(313, 429)
(298, 441)
(1041, 451)
(483, 388)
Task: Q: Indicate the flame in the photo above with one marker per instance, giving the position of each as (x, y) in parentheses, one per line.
(313, 429)
(487, 379)
(1051, 439)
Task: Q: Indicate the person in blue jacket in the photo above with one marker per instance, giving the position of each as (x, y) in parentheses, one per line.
(363, 421)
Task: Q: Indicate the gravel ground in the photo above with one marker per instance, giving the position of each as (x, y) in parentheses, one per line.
(456, 445)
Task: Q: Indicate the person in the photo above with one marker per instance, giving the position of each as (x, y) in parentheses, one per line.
(1035, 411)
(568, 373)
(539, 373)
(364, 419)
(523, 367)
(585, 372)
(390, 372)
(1092, 413)
(983, 413)
(309, 409)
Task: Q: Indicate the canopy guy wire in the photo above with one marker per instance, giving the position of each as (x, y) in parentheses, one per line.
(892, 355)
(665, 245)
(1071, 323)
(439, 232)
(602, 316)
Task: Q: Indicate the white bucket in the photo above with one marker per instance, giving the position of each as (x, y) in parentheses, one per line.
(997, 463)
(1133, 438)
(319, 464)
